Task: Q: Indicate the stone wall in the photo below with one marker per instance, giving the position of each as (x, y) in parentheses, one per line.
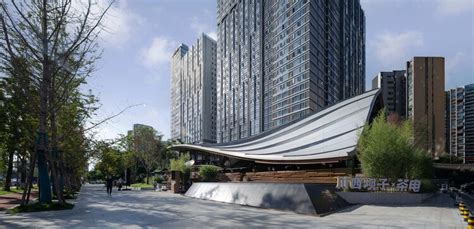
(294, 176)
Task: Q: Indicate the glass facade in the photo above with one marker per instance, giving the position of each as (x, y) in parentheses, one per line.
(177, 72)
(280, 60)
(193, 92)
(239, 69)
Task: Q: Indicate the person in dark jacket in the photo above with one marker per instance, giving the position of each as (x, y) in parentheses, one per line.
(109, 183)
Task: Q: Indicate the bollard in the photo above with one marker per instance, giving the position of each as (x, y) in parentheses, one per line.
(465, 215)
(470, 222)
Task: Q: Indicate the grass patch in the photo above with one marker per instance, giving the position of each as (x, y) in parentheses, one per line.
(12, 190)
(36, 207)
(141, 185)
(18, 190)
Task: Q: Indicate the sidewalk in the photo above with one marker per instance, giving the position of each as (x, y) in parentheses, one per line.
(148, 209)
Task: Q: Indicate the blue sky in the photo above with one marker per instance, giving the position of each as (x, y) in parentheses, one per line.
(141, 35)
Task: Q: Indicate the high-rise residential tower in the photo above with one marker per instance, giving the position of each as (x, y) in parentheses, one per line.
(176, 79)
(393, 86)
(455, 112)
(469, 123)
(425, 102)
(193, 92)
(280, 60)
(460, 125)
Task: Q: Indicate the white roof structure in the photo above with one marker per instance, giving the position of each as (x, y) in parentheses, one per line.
(328, 135)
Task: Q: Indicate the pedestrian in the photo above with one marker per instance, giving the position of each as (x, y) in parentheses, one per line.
(119, 184)
(109, 183)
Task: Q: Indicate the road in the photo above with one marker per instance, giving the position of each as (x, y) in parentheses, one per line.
(148, 209)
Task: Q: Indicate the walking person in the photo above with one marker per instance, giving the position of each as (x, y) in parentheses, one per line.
(109, 183)
(119, 184)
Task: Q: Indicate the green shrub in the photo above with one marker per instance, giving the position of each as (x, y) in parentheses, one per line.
(427, 186)
(422, 165)
(208, 172)
(387, 150)
(179, 164)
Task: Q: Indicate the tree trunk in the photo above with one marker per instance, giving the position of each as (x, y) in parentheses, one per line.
(8, 177)
(23, 173)
(54, 157)
(29, 179)
(42, 140)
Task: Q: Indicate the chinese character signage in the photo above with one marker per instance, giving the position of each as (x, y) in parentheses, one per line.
(378, 184)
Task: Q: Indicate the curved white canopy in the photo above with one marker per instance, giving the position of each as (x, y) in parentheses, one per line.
(330, 134)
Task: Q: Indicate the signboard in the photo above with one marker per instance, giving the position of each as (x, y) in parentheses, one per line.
(378, 184)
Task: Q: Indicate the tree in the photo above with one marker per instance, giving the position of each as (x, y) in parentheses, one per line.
(387, 150)
(179, 164)
(110, 160)
(147, 146)
(18, 103)
(165, 154)
(59, 42)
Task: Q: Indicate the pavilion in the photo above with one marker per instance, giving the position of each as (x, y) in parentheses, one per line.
(292, 167)
(328, 136)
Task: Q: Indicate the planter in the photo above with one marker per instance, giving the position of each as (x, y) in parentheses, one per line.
(384, 197)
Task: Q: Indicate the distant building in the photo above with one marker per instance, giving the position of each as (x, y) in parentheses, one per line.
(281, 60)
(456, 129)
(393, 85)
(469, 125)
(460, 123)
(425, 102)
(143, 137)
(193, 92)
(447, 122)
(176, 90)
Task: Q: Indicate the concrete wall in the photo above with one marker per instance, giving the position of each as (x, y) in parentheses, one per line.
(301, 198)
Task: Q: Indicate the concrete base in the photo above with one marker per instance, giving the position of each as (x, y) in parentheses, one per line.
(383, 197)
(311, 199)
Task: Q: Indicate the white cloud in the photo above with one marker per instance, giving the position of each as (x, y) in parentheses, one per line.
(118, 23)
(452, 63)
(200, 27)
(158, 52)
(392, 48)
(454, 6)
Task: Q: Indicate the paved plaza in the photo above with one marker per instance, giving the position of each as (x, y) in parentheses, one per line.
(148, 209)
